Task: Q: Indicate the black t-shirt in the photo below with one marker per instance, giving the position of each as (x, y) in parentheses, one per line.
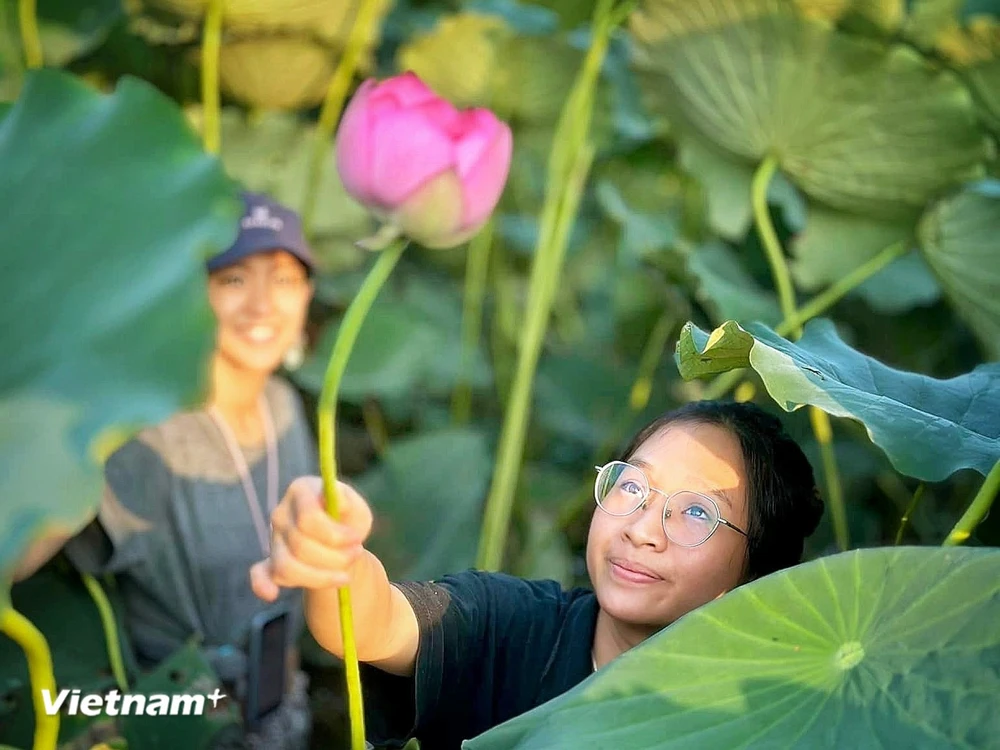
(492, 647)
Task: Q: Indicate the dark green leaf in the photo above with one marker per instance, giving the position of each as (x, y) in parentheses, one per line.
(103, 301)
(427, 496)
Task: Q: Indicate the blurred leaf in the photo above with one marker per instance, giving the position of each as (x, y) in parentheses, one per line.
(959, 237)
(580, 395)
(928, 428)
(528, 19)
(572, 13)
(727, 190)
(409, 343)
(459, 58)
(329, 20)
(545, 552)
(866, 649)
(834, 243)
(857, 125)
(284, 73)
(477, 59)
(728, 290)
(427, 496)
(271, 153)
(128, 339)
(68, 28)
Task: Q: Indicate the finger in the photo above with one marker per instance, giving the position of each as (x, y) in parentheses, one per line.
(287, 571)
(262, 583)
(314, 553)
(354, 510)
(318, 525)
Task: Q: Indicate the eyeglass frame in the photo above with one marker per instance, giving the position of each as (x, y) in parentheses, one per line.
(666, 505)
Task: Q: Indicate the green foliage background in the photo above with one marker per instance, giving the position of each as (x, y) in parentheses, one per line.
(882, 117)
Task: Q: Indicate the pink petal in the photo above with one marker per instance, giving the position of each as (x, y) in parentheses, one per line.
(353, 147)
(477, 131)
(485, 180)
(408, 152)
(407, 89)
(443, 114)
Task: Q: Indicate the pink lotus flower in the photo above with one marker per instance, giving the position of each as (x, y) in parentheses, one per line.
(420, 165)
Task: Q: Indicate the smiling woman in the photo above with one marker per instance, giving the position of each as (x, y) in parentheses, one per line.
(704, 499)
(186, 503)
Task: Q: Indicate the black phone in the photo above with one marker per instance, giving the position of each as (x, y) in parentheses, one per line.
(267, 664)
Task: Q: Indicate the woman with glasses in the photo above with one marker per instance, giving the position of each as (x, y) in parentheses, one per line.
(704, 499)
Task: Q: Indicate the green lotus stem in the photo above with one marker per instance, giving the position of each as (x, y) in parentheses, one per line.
(107, 616)
(349, 328)
(823, 431)
(211, 46)
(649, 360)
(19, 629)
(500, 503)
(333, 103)
(977, 511)
(814, 308)
(907, 513)
(840, 288)
(769, 237)
(30, 39)
(786, 296)
(476, 274)
(569, 165)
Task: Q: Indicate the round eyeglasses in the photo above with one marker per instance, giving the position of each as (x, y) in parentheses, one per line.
(689, 518)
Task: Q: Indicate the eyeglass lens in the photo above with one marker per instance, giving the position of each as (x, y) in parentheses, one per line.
(689, 519)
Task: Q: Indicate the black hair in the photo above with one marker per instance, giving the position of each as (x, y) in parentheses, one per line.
(783, 503)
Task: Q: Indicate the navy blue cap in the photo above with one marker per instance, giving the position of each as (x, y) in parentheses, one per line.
(265, 225)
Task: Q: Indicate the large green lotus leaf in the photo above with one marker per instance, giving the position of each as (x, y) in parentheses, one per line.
(834, 243)
(960, 237)
(272, 153)
(856, 124)
(105, 318)
(427, 494)
(870, 649)
(929, 428)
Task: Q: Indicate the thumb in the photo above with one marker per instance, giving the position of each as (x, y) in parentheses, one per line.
(262, 581)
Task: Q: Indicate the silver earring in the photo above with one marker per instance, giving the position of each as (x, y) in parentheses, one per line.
(296, 355)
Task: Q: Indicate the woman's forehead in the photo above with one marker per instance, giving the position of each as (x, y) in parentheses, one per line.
(704, 455)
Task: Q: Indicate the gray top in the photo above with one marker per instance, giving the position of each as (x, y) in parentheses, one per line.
(175, 528)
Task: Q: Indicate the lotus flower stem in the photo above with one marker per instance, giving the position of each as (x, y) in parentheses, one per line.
(652, 354)
(333, 104)
(977, 511)
(569, 165)
(350, 327)
(820, 420)
(107, 616)
(476, 275)
(36, 649)
(816, 307)
(909, 512)
(30, 39)
(211, 46)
